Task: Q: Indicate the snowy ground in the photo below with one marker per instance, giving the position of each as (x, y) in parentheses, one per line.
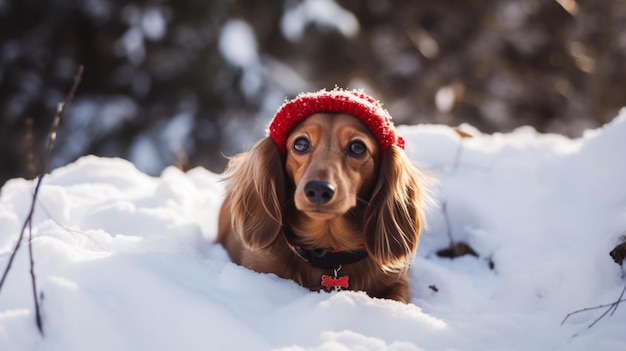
(126, 262)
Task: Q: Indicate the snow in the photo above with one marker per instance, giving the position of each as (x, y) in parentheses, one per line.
(125, 261)
(326, 14)
(444, 99)
(237, 43)
(153, 23)
(149, 23)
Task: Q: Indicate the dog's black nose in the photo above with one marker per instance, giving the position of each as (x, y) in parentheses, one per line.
(319, 192)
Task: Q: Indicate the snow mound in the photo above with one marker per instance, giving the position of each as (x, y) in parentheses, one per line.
(125, 261)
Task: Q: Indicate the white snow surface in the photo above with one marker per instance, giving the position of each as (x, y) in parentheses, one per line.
(125, 261)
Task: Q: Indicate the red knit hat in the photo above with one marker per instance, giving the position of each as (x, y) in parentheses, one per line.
(355, 103)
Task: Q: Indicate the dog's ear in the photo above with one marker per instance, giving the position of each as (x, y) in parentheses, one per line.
(394, 217)
(256, 186)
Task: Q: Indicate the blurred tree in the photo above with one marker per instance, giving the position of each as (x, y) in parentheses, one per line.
(200, 79)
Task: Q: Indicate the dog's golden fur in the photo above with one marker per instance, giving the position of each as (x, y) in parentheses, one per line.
(376, 206)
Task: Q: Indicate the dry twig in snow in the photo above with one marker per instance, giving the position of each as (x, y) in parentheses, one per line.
(28, 221)
(612, 307)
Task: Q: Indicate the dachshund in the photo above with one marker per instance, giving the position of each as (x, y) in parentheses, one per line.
(329, 199)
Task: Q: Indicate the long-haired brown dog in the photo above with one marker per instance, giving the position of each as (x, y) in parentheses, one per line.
(328, 199)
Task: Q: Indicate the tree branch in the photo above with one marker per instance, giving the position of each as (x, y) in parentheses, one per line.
(612, 307)
(28, 221)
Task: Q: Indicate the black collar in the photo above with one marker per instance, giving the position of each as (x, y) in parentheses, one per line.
(324, 258)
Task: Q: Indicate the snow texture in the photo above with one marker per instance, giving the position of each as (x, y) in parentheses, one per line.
(125, 261)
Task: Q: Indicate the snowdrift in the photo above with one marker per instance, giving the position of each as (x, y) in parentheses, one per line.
(125, 261)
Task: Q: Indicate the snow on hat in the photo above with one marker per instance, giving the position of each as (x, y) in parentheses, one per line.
(355, 103)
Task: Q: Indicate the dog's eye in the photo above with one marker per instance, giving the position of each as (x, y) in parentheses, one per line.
(357, 148)
(301, 145)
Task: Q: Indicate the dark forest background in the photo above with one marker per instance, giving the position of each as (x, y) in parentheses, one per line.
(195, 80)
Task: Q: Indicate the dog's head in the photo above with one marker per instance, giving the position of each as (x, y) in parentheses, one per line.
(332, 161)
(330, 169)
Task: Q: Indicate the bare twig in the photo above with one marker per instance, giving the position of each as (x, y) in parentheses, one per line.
(68, 229)
(446, 217)
(612, 307)
(618, 254)
(456, 248)
(455, 165)
(28, 221)
(619, 299)
(32, 169)
(33, 277)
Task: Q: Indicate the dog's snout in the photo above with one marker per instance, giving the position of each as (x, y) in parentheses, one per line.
(319, 192)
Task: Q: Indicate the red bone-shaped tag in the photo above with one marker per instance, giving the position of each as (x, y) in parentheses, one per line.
(329, 282)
